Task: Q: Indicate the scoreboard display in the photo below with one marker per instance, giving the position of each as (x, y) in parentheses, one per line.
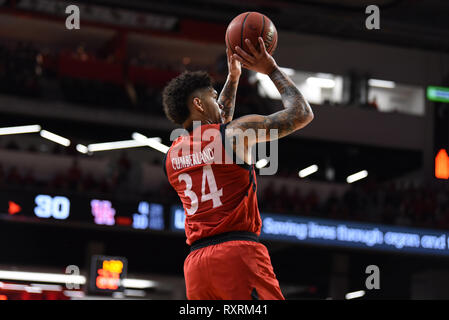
(107, 274)
(139, 215)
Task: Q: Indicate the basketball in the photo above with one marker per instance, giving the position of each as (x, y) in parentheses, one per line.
(251, 25)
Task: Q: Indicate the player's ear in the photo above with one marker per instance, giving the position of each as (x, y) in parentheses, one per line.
(197, 104)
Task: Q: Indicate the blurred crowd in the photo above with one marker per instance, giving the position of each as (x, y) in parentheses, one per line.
(403, 204)
(119, 177)
(25, 72)
(425, 206)
(19, 69)
(387, 203)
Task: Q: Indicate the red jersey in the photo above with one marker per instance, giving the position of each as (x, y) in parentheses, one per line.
(217, 194)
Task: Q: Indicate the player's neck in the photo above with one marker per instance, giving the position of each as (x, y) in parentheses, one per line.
(188, 125)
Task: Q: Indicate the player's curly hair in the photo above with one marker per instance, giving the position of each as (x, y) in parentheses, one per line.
(178, 90)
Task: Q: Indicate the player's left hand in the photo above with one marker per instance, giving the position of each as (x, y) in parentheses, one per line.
(234, 66)
(258, 60)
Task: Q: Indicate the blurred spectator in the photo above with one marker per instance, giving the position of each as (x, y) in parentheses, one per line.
(311, 202)
(80, 52)
(268, 197)
(12, 145)
(89, 183)
(373, 103)
(296, 202)
(59, 181)
(14, 177)
(29, 179)
(124, 166)
(74, 175)
(32, 148)
(330, 205)
(2, 175)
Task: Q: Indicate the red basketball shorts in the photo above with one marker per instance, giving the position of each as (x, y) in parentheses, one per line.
(232, 270)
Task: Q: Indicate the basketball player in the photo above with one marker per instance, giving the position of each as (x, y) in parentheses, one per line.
(223, 223)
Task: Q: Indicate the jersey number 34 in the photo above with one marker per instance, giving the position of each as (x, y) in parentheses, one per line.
(214, 194)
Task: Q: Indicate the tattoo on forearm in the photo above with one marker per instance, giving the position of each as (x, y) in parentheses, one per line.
(296, 111)
(227, 98)
(296, 114)
(290, 95)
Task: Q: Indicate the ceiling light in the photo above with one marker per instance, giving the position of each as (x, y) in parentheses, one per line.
(55, 138)
(82, 148)
(114, 145)
(355, 294)
(42, 277)
(154, 143)
(320, 82)
(261, 163)
(20, 129)
(357, 176)
(308, 171)
(138, 283)
(381, 83)
(65, 278)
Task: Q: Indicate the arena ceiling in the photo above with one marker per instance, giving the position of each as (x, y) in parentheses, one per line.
(409, 23)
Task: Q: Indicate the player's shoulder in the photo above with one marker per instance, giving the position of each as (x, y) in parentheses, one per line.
(242, 124)
(206, 132)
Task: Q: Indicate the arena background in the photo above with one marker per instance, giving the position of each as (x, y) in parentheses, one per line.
(66, 206)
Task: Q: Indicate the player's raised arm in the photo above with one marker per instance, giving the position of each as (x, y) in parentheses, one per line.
(297, 112)
(227, 95)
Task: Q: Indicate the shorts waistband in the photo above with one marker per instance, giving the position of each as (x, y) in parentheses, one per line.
(224, 237)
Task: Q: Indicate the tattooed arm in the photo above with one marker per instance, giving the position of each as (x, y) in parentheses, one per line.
(227, 95)
(297, 112)
(227, 98)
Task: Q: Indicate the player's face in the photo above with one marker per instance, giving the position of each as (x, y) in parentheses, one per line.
(213, 109)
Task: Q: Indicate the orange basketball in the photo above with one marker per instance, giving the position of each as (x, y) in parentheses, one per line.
(251, 25)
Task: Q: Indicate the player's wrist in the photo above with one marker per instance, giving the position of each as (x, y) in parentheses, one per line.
(234, 76)
(272, 68)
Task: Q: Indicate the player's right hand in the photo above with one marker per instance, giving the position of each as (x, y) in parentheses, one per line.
(234, 66)
(256, 60)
